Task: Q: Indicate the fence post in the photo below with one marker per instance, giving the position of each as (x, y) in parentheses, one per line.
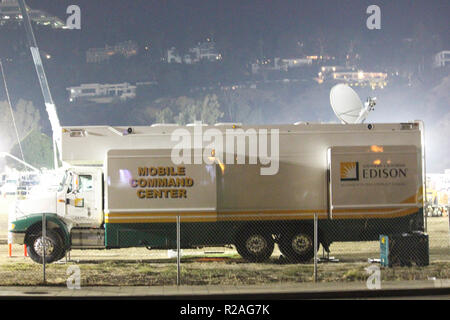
(44, 247)
(315, 246)
(178, 251)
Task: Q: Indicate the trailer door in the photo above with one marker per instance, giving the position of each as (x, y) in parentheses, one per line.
(374, 181)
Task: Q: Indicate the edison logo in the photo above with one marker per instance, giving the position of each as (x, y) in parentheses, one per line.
(349, 171)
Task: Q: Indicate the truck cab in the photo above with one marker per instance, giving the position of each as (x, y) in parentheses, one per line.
(72, 211)
(79, 199)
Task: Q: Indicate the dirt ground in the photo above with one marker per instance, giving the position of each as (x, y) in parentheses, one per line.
(214, 266)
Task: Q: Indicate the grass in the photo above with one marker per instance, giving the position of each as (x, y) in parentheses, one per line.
(113, 273)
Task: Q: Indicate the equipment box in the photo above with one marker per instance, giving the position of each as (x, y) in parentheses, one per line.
(404, 249)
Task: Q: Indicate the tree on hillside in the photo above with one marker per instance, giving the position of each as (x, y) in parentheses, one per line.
(187, 109)
(27, 119)
(206, 110)
(210, 109)
(37, 149)
(164, 116)
(184, 110)
(250, 106)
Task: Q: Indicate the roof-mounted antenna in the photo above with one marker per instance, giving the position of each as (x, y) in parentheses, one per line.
(347, 105)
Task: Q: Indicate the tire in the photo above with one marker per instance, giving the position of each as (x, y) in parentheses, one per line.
(255, 246)
(54, 251)
(62, 252)
(297, 246)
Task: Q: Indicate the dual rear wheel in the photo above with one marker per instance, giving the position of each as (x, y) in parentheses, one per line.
(297, 246)
(258, 246)
(255, 246)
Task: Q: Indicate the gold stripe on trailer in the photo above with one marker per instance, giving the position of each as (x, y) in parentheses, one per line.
(160, 213)
(257, 216)
(263, 215)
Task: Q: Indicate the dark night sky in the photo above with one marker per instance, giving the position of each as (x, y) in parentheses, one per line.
(112, 20)
(239, 26)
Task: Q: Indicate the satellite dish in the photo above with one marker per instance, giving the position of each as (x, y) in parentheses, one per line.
(347, 105)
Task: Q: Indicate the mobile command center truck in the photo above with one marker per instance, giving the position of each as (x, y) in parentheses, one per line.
(121, 189)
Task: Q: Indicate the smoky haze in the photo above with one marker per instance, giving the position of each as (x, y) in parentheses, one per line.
(243, 83)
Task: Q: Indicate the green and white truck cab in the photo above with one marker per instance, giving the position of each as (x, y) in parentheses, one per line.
(73, 212)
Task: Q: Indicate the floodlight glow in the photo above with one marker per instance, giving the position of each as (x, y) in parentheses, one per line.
(360, 75)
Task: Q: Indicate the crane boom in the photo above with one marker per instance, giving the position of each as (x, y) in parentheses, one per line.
(48, 100)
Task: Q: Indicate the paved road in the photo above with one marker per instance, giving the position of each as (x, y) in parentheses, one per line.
(390, 290)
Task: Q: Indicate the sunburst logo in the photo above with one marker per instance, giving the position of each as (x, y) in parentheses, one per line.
(349, 171)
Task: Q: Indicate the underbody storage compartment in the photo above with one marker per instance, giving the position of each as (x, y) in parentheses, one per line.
(88, 238)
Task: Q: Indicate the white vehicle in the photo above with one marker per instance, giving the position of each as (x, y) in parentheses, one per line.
(122, 189)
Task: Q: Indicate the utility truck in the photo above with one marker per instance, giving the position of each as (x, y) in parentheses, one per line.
(121, 188)
(125, 187)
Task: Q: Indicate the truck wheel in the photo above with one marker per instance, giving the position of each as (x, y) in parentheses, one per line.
(297, 246)
(255, 246)
(53, 243)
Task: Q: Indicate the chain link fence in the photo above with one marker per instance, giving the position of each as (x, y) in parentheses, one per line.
(244, 249)
(271, 251)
